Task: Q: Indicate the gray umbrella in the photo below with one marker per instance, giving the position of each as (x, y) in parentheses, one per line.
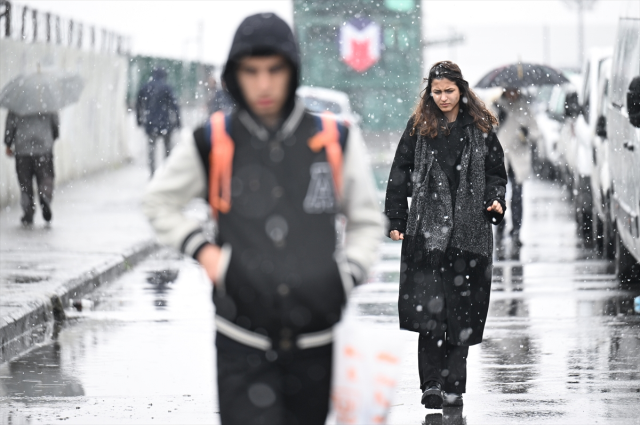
(41, 92)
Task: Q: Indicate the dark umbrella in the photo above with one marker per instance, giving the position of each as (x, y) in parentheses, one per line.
(522, 75)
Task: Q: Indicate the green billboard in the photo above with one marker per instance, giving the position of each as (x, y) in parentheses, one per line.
(369, 49)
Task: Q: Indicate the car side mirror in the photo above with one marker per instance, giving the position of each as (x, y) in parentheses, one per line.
(633, 102)
(572, 106)
(601, 127)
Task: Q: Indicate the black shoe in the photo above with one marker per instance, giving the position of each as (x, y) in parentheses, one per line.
(26, 220)
(46, 212)
(432, 396)
(452, 400)
(515, 240)
(501, 252)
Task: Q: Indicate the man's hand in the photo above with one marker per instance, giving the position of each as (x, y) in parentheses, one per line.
(396, 235)
(8, 151)
(496, 207)
(209, 257)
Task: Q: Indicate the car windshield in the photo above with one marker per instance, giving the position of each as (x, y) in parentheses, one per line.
(315, 104)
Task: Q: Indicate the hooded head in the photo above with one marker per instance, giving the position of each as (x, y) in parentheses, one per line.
(264, 34)
(158, 74)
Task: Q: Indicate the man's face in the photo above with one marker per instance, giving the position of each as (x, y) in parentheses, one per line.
(512, 94)
(264, 81)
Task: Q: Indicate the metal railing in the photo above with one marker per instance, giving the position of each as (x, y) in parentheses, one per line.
(29, 25)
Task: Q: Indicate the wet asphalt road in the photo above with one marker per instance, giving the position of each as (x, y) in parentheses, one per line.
(562, 343)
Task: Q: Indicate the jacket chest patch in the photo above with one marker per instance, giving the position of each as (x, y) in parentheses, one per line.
(320, 194)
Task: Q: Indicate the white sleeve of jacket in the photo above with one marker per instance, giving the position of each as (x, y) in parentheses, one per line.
(181, 179)
(364, 228)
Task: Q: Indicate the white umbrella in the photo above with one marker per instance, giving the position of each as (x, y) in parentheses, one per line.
(41, 92)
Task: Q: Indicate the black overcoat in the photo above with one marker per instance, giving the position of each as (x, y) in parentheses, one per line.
(450, 298)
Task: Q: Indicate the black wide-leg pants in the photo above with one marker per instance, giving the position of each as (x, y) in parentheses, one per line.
(275, 387)
(516, 206)
(152, 140)
(442, 362)
(40, 167)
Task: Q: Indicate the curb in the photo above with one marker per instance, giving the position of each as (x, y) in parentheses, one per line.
(43, 317)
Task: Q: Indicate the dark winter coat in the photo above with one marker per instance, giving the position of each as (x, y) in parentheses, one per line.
(31, 135)
(156, 107)
(446, 254)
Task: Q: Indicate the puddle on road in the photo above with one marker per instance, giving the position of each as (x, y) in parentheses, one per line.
(142, 352)
(39, 374)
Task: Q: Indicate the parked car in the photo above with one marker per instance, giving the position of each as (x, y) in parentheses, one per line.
(319, 100)
(558, 130)
(579, 150)
(545, 155)
(601, 175)
(622, 120)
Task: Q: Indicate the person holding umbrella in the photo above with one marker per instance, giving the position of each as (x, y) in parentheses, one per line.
(518, 128)
(450, 162)
(31, 128)
(30, 138)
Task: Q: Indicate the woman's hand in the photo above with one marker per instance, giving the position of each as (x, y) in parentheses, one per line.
(396, 236)
(495, 207)
(209, 257)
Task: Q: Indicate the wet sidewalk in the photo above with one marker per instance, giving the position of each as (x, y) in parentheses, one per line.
(562, 340)
(561, 345)
(97, 232)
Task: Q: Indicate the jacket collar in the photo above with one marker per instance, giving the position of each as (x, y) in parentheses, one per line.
(287, 128)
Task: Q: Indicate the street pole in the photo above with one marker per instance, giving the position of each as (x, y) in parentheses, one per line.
(580, 33)
(546, 45)
(581, 6)
(200, 40)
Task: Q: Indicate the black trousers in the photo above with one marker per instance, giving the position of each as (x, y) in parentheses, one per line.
(442, 362)
(40, 167)
(166, 139)
(274, 387)
(516, 206)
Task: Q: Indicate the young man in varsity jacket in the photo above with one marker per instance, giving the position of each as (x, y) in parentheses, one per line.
(276, 178)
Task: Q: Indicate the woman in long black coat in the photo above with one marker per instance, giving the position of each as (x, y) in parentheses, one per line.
(450, 162)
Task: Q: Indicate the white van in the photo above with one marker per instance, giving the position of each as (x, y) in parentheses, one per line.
(624, 144)
(579, 153)
(601, 184)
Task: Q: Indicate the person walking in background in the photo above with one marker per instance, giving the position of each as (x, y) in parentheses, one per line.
(275, 177)
(30, 139)
(158, 112)
(517, 128)
(219, 99)
(450, 162)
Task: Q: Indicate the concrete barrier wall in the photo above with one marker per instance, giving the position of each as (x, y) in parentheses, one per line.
(94, 133)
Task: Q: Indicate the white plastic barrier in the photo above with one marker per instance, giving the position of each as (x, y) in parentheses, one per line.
(94, 133)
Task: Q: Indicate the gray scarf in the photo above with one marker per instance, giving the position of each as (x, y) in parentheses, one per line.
(432, 214)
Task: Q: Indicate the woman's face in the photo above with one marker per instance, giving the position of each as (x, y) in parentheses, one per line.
(445, 93)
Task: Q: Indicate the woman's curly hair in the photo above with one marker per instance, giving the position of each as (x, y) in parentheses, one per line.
(428, 118)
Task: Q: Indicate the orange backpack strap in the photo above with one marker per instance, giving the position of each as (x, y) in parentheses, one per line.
(220, 165)
(329, 139)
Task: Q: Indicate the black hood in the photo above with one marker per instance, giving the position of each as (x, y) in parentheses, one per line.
(259, 35)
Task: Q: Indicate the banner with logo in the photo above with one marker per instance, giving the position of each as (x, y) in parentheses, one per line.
(360, 43)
